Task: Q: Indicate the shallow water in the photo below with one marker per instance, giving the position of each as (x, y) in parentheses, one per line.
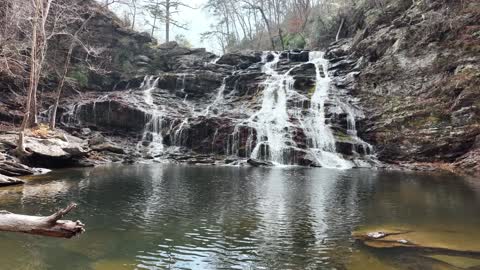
(184, 217)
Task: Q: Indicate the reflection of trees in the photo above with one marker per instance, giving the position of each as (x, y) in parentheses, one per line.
(180, 216)
(420, 198)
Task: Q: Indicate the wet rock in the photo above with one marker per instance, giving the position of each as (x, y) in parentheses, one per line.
(259, 163)
(244, 83)
(86, 131)
(419, 239)
(96, 139)
(112, 114)
(143, 58)
(343, 147)
(9, 168)
(240, 60)
(9, 181)
(108, 147)
(298, 56)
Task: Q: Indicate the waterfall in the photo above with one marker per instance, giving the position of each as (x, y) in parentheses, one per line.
(274, 141)
(320, 137)
(218, 98)
(293, 119)
(152, 134)
(275, 123)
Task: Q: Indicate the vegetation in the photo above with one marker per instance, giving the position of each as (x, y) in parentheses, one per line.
(285, 24)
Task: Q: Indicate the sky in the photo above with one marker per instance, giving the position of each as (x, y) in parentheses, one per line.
(198, 21)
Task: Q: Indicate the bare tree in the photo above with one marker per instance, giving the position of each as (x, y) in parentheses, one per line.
(58, 93)
(40, 10)
(164, 11)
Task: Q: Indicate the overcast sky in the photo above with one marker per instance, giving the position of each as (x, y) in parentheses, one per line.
(198, 21)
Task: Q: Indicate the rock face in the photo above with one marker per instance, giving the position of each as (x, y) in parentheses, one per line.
(418, 81)
(9, 181)
(269, 107)
(405, 89)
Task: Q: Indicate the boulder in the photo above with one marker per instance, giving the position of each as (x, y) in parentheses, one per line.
(9, 168)
(259, 163)
(108, 147)
(241, 60)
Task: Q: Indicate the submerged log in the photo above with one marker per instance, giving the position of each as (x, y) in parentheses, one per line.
(50, 226)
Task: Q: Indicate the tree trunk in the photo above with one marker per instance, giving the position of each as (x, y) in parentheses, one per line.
(267, 24)
(340, 30)
(50, 226)
(58, 92)
(167, 21)
(280, 34)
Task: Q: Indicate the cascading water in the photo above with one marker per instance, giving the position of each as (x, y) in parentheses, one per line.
(320, 137)
(152, 135)
(273, 123)
(218, 97)
(274, 141)
(290, 125)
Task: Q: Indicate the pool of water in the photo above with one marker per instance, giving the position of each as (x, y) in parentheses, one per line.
(162, 216)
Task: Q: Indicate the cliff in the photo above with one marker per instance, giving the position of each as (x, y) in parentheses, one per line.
(416, 71)
(403, 90)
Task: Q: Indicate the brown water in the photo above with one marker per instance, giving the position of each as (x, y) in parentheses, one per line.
(185, 217)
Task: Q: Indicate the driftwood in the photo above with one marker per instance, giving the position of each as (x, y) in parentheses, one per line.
(50, 226)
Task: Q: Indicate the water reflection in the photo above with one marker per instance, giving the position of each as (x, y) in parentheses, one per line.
(181, 217)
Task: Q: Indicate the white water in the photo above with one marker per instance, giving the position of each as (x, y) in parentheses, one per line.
(153, 128)
(273, 122)
(218, 98)
(320, 137)
(274, 141)
(271, 129)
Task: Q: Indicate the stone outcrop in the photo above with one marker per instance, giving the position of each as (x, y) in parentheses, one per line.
(9, 181)
(408, 81)
(418, 79)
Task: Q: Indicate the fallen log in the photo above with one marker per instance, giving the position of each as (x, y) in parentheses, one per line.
(50, 226)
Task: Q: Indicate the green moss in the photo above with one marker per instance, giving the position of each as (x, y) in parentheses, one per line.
(80, 75)
(432, 120)
(311, 91)
(340, 136)
(294, 41)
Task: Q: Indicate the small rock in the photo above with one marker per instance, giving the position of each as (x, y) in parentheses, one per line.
(86, 131)
(376, 235)
(96, 139)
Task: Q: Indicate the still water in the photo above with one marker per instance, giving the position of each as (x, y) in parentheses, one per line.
(185, 217)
